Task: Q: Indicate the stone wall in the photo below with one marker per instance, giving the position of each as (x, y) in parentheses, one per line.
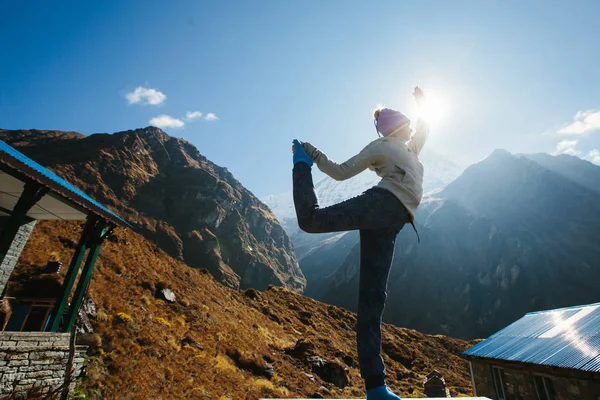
(519, 381)
(12, 256)
(36, 360)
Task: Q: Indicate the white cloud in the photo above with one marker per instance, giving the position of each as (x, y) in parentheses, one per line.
(584, 122)
(594, 156)
(166, 121)
(193, 115)
(210, 117)
(145, 96)
(567, 147)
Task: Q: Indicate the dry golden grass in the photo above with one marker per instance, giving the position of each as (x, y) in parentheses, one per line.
(152, 349)
(124, 317)
(163, 321)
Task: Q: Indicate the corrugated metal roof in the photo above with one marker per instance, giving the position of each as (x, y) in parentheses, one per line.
(26, 166)
(566, 337)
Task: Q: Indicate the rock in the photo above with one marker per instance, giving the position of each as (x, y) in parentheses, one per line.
(92, 340)
(323, 391)
(168, 295)
(315, 362)
(87, 310)
(302, 348)
(89, 306)
(309, 376)
(269, 371)
(251, 363)
(191, 342)
(349, 360)
(68, 243)
(268, 358)
(305, 317)
(329, 371)
(252, 293)
(269, 313)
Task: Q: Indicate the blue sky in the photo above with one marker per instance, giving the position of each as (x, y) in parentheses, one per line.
(515, 75)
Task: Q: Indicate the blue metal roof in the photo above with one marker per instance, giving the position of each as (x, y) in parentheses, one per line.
(566, 337)
(33, 170)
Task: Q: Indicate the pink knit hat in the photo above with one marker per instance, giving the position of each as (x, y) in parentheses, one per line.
(390, 121)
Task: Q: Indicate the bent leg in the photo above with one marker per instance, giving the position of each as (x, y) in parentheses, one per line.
(376, 208)
(376, 255)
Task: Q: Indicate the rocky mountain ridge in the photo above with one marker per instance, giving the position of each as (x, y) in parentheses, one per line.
(193, 209)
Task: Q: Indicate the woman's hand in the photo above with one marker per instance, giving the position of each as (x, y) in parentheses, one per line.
(300, 154)
(419, 95)
(294, 145)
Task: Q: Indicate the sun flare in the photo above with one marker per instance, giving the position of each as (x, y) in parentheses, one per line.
(433, 108)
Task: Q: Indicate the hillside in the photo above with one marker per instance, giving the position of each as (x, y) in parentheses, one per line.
(215, 342)
(194, 210)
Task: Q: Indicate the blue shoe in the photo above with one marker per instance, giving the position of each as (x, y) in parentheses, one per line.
(300, 155)
(381, 393)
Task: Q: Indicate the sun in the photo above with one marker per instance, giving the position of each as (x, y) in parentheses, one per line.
(433, 109)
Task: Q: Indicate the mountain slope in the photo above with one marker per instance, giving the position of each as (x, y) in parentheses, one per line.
(214, 341)
(581, 171)
(507, 237)
(193, 209)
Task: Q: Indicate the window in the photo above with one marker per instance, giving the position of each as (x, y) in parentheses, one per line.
(544, 387)
(36, 320)
(29, 315)
(499, 379)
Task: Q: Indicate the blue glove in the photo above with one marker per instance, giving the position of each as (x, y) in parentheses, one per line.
(300, 155)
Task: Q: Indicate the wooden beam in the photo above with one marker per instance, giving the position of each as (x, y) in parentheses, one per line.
(102, 230)
(63, 298)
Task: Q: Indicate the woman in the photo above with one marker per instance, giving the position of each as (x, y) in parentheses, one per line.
(379, 214)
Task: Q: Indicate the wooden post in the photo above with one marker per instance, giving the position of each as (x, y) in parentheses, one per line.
(101, 232)
(63, 297)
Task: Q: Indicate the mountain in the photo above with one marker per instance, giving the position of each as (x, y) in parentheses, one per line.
(507, 237)
(212, 341)
(191, 208)
(581, 171)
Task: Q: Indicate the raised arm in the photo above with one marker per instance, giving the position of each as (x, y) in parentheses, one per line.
(343, 171)
(418, 140)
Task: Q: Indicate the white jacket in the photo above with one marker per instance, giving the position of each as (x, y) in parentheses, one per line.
(395, 161)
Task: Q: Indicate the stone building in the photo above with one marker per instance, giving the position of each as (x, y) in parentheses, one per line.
(37, 350)
(545, 355)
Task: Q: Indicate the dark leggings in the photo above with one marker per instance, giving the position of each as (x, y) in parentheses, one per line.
(379, 216)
